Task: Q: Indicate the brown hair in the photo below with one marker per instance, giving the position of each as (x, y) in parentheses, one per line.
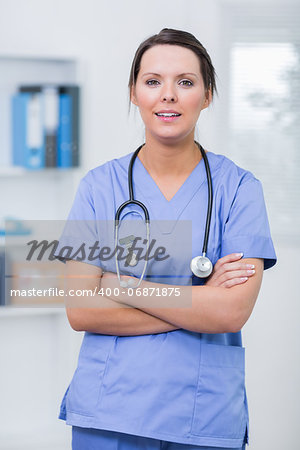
(183, 39)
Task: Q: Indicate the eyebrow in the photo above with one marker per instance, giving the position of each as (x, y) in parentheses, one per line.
(180, 75)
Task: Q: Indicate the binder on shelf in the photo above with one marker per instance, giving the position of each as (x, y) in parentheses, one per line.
(49, 119)
(28, 144)
(74, 93)
(34, 153)
(19, 119)
(61, 104)
(64, 149)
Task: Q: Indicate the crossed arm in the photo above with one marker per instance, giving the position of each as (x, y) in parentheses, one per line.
(224, 304)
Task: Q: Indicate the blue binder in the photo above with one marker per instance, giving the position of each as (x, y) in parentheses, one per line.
(64, 155)
(74, 91)
(27, 131)
(19, 119)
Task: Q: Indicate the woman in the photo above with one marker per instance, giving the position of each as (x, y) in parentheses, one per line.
(165, 371)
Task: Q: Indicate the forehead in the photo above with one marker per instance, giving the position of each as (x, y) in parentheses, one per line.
(169, 58)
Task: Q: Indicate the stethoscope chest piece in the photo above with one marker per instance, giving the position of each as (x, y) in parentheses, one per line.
(201, 266)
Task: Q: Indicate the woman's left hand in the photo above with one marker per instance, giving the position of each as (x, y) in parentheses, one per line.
(230, 271)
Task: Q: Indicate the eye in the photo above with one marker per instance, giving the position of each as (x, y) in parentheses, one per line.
(187, 82)
(151, 82)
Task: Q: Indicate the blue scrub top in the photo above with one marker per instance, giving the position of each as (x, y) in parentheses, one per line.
(178, 386)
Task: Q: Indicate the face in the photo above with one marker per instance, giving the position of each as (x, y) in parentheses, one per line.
(170, 80)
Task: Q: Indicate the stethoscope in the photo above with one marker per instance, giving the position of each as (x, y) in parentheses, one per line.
(201, 266)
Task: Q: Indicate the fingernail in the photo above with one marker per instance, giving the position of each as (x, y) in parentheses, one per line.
(251, 271)
(250, 266)
(244, 278)
(239, 254)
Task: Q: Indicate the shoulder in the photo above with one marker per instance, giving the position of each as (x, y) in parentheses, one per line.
(106, 171)
(229, 174)
(234, 186)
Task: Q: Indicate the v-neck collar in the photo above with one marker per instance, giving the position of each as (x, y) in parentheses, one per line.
(156, 185)
(147, 191)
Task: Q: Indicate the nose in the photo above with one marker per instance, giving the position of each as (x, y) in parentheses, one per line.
(168, 99)
(168, 94)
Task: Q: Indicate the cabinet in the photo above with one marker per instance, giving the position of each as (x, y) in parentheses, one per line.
(38, 354)
(33, 194)
(40, 194)
(16, 71)
(38, 348)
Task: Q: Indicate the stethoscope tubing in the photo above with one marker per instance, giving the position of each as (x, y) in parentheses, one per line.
(209, 201)
(132, 200)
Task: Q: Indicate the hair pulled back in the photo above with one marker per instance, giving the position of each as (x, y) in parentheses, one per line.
(183, 39)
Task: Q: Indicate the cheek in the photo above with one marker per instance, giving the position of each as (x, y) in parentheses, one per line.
(146, 98)
(195, 102)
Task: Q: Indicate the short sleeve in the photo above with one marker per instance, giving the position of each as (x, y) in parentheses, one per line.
(80, 234)
(247, 227)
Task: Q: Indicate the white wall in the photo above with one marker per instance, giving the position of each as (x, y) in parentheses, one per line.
(103, 36)
(271, 337)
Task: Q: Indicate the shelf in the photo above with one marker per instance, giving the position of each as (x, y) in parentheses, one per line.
(11, 171)
(39, 58)
(20, 171)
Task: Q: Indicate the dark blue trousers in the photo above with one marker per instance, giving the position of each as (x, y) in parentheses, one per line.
(92, 439)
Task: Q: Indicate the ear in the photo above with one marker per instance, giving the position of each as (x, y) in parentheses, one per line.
(208, 99)
(132, 96)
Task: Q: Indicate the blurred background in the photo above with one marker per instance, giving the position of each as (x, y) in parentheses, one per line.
(255, 120)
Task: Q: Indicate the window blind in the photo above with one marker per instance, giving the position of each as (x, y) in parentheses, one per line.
(264, 106)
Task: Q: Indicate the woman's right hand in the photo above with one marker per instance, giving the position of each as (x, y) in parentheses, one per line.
(230, 271)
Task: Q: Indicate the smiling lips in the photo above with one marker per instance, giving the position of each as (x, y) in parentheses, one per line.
(168, 115)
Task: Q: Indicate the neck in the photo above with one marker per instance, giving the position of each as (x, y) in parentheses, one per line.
(161, 158)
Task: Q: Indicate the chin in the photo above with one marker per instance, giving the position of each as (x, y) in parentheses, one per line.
(169, 139)
(170, 135)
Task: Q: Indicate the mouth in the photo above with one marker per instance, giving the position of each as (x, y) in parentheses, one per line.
(167, 116)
